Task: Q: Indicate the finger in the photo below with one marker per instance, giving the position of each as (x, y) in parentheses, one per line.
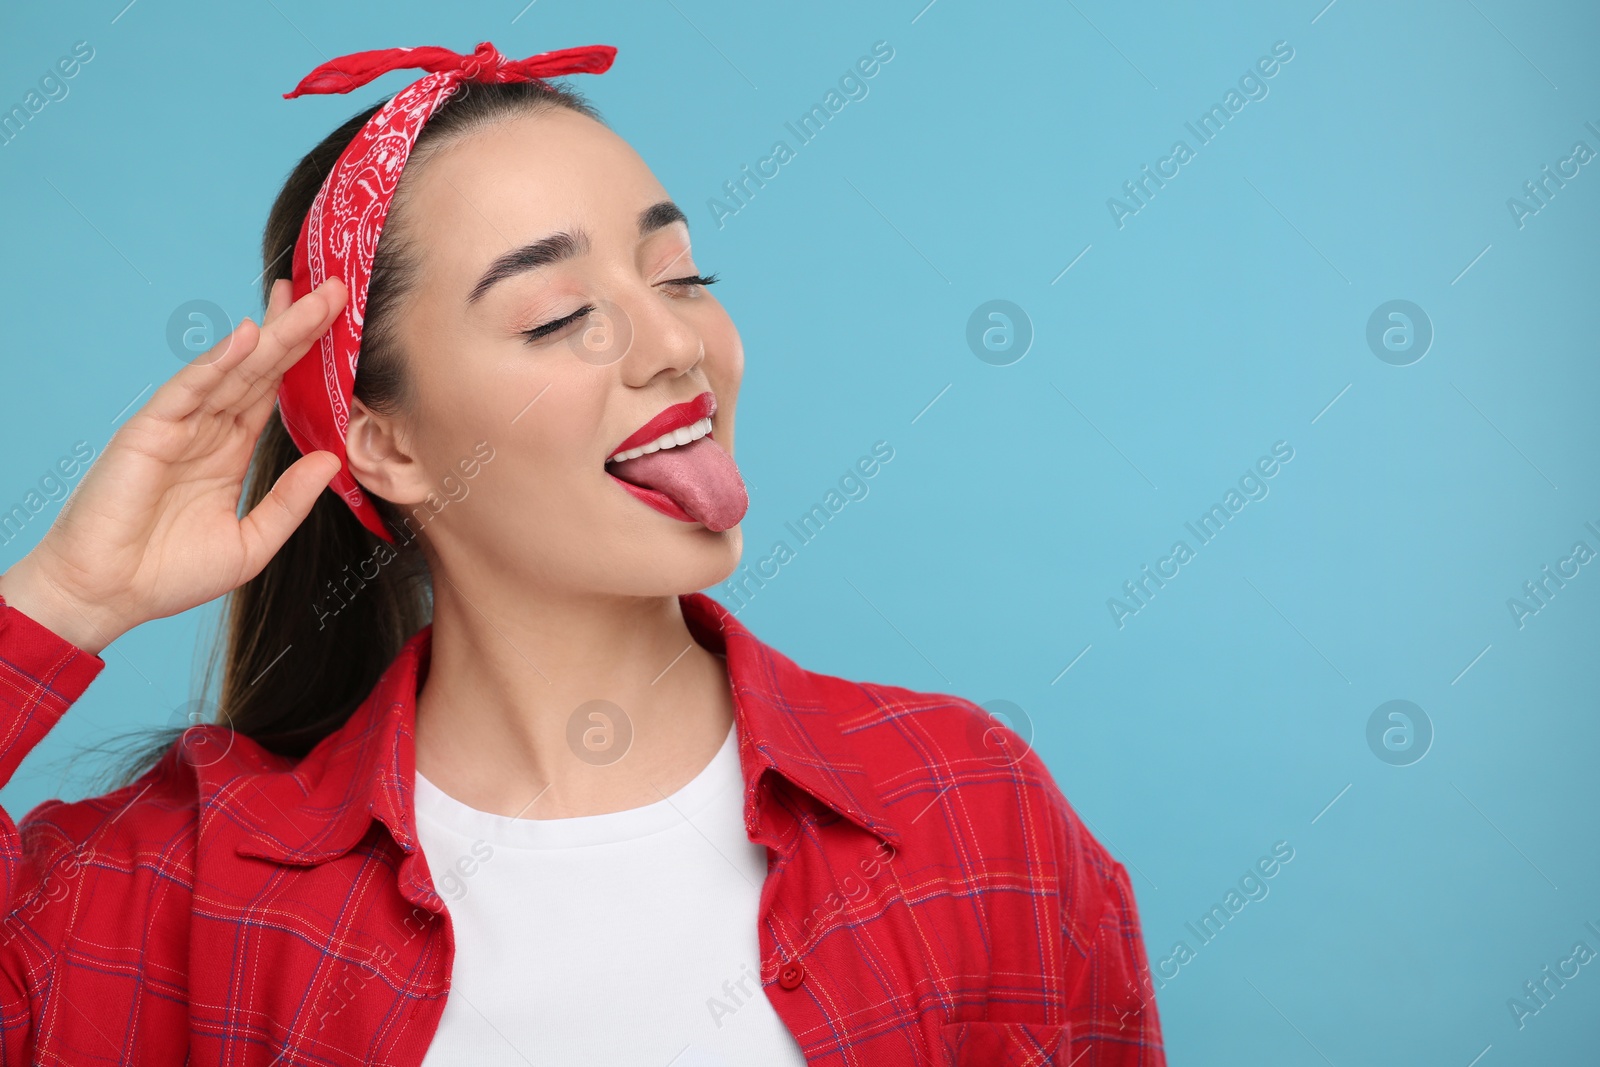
(279, 298)
(289, 336)
(281, 343)
(253, 413)
(188, 390)
(235, 363)
(284, 508)
(180, 395)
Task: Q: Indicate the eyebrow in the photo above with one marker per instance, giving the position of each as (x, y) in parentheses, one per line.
(564, 245)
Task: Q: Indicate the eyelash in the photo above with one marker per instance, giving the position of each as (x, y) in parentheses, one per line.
(546, 329)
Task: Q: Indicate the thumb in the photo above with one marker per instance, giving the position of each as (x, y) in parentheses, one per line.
(284, 508)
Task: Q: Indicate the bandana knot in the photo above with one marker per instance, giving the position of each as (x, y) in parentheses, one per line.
(484, 63)
(485, 55)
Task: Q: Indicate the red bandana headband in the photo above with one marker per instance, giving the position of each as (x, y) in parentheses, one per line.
(340, 233)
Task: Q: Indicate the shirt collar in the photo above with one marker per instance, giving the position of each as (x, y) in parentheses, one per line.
(323, 806)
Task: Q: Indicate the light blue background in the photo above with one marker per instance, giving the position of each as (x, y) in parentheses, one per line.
(1225, 316)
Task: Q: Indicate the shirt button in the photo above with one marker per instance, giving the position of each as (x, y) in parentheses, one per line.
(791, 974)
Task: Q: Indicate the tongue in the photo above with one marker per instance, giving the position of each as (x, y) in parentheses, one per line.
(700, 477)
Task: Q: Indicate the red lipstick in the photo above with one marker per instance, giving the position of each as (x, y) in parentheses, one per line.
(675, 417)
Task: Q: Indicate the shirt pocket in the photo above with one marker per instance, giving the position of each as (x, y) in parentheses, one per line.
(1009, 1044)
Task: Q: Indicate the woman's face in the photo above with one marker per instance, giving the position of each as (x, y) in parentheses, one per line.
(516, 229)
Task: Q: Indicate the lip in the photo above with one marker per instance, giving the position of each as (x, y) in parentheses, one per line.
(675, 417)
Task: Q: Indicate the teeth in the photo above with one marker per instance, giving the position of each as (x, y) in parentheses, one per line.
(671, 439)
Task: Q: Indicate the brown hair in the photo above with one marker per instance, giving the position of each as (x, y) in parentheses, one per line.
(303, 642)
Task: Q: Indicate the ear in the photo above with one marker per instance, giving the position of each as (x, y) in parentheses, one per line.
(379, 455)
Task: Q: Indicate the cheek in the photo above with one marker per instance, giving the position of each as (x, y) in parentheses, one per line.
(458, 418)
(557, 434)
(536, 411)
(724, 368)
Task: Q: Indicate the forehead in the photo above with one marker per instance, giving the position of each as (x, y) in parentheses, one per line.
(522, 178)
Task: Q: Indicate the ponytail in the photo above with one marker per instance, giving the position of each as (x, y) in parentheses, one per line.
(304, 641)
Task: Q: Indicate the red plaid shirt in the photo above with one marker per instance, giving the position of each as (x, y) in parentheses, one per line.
(927, 901)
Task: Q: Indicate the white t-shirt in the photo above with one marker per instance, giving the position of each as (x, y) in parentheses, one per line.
(618, 939)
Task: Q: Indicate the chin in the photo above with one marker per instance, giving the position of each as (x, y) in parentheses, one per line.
(698, 560)
(714, 559)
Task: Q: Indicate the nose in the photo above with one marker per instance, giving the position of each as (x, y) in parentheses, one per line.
(664, 342)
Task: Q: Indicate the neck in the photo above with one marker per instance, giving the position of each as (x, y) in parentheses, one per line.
(553, 706)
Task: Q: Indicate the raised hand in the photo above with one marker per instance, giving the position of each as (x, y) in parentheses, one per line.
(153, 528)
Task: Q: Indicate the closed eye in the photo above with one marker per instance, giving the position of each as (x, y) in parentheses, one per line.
(556, 325)
(548, 328)
(693, 279)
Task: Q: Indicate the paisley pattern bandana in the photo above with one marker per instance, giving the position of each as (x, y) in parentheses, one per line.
(340, 233)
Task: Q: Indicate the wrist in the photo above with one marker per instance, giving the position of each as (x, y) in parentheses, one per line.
(26, 587)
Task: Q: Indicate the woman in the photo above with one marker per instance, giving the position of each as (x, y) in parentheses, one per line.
(490, 781)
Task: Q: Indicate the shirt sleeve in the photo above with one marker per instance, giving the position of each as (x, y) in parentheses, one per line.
(1124, 971)
(41, 675)
(1112, 1000)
